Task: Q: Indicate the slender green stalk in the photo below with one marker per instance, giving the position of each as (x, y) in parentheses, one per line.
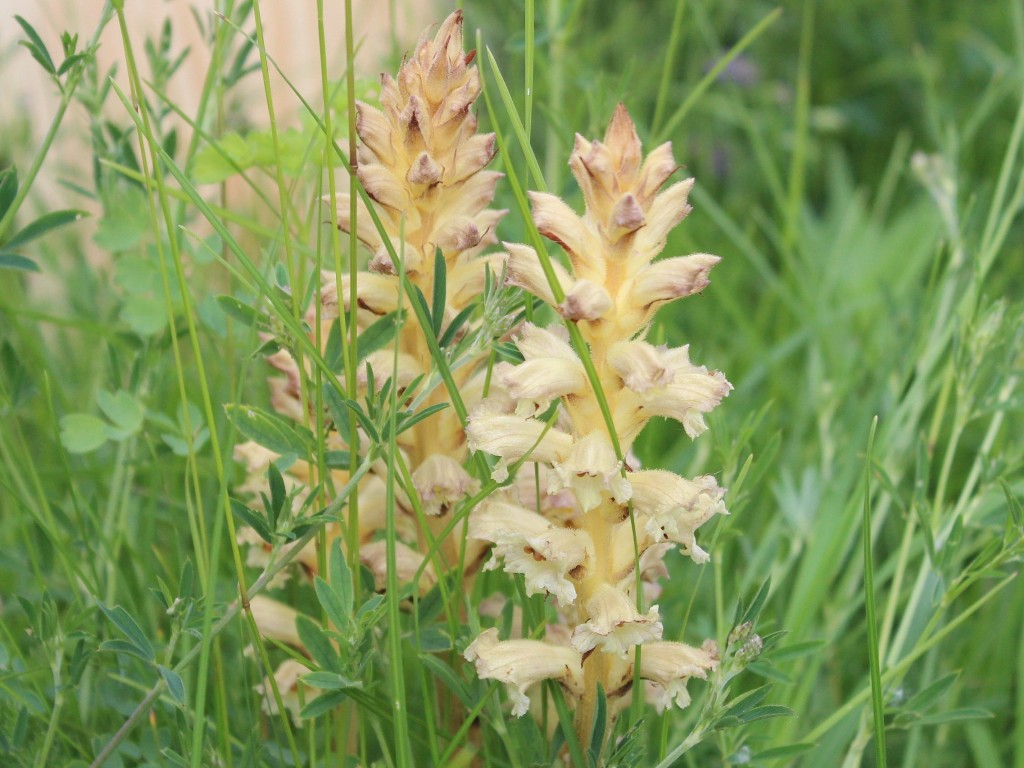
(705, 82)
(667, 68)
(877, 702)
(66, 97)
(802, 106)
(399, 701)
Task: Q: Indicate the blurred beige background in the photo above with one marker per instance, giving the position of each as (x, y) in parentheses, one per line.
(29, 99)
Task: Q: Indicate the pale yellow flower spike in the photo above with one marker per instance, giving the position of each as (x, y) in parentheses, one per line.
(582, 551)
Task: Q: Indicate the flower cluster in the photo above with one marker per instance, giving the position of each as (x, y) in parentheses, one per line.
(584, 549)
(422, 162)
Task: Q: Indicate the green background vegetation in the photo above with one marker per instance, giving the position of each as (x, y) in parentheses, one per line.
(859, 170)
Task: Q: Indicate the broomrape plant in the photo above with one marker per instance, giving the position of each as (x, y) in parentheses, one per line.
(605, 524)
(570, 508)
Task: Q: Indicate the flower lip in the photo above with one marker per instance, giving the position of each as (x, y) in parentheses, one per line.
(521, 663)
(615, 625)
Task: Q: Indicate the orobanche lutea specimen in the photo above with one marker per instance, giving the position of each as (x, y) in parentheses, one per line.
(580, 521)
(581, 545)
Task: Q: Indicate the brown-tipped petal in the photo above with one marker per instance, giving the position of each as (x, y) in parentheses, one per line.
(374, 556)
(639, 365)
(529, 544)
(591, 470)
(667, 210)
(523, 270)
(623, 143)
(615, 625)
(459, 233)
(441, 483)
(377, 295)
(586, 300)
(415, 122)
(535, 383)
(470, 157)
(656, 169)
(424, 171)
(693, 392)
(365, 229)
(627, 216)
(670, 665)
(672, 507)
(512, 438)
(535, 343)
(672, 279)
(373, 128)
(522, 663)
(557, 221)
(382, 186)
(476, 192)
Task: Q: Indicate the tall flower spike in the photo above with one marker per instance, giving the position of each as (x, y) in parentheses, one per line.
(422, 163)
(612, 288)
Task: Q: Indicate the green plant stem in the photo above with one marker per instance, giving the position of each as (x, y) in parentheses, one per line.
(668, 68)
(878, 705)
(67, 95)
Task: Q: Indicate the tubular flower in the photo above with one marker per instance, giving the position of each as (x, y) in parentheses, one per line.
(670, 665)
(583, 548)
(521, 663)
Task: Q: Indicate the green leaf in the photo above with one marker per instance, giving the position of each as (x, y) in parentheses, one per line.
(253, 519)
(131, 629)
(377, 335)
(125, 220)
(36, 46)
(270, 430)
(453, 327)
(8, 188)
(82, 433)
(70, 61)
(598, 726)
(448, 678)
(318, 644)
(175, 685)
(123, 646)
(278, 493)
(780, 753)
(419, 416)
(329, 681)
(240, 311)
(122, 409)
(333, 604)
(953, 716)
(765, 712)
(925, 698)
(337, 459)
(143, 315)
(754, 610)
(334, 350)
(323, 704)
(440, 292)
(434, 639)
(364, 421)
(214, 164)
(341, 580)
(42, 225)
(14, 261)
